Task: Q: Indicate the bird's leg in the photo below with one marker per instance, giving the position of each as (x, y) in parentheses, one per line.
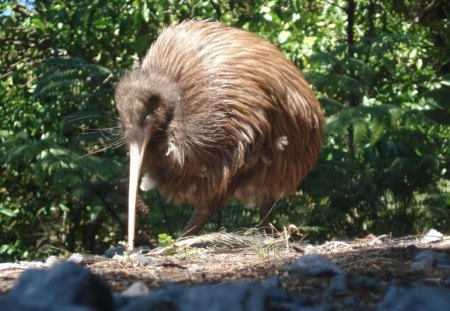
(202, 214)
(265, 215)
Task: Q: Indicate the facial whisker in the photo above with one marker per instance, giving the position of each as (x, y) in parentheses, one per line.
(112, 146)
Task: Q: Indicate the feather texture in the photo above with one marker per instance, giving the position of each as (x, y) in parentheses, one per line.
(234, 117)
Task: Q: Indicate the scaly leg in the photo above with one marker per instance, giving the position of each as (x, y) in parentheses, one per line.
(201, 216)
(266, 214)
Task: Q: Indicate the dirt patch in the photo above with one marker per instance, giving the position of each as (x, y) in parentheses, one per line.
(209, 259)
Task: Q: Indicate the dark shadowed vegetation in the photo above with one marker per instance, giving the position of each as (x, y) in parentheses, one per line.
(381, 69)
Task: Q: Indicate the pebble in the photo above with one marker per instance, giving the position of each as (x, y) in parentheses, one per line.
(63, 287)
(117, 250)
(338, 284)
(76, 258)
(430, 259)
(416, 299)
(142, 259)
(272, 282)
(313, 265)
(244, 296)
(432, 236)
(136, 289)
(194, 268)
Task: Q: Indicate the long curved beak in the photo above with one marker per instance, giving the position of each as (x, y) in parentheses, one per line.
(137, 150)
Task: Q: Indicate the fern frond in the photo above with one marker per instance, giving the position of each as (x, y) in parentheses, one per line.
(73, 80)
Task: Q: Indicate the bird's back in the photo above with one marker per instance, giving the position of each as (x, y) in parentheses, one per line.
(247, 124)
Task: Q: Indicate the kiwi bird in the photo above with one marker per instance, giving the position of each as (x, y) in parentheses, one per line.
(215, 113)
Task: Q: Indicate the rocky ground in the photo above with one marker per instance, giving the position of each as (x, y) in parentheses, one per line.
(241, 272)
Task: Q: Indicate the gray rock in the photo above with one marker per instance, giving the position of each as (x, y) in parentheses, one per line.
(416, 299)
(432, 236)
(76, 258)
(136, 289)
(110, 252)
(194, 268)
(429, 260)
(338, 284)
(239, 296)
(166, 299)
(142, 259)
(271, 283)
(67, 286)
(234, 296)
(313, 265)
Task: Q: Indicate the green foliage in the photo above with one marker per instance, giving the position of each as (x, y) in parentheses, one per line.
(170, 248)
(384, 167)
(165, 240)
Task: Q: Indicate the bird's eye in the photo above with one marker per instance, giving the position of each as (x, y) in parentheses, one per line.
(150, 106)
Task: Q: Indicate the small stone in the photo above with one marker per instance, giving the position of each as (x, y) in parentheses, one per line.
(432, 236)
(313, 265)
(142, 259)
(194, 268)
(167, 299)
(338, 284)
(119, 258)
(76, 258)
(136, 289)
(414, 299)
(237, 296)
(248, 296)
(66, 286)
(278, 299)
(272, 282)
(144, 249)
(429, 260)
(110, 252)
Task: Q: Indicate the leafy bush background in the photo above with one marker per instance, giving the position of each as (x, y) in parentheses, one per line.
(380, 68)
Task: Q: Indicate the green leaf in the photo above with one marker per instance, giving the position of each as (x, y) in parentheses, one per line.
(145, 12)
(283, 36)
(165, 240)
(9, 212)
(37, 22)
(268, 17)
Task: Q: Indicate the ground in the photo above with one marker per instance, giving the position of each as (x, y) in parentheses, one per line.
(225, 257)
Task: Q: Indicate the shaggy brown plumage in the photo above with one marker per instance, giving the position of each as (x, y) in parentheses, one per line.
(215, 113)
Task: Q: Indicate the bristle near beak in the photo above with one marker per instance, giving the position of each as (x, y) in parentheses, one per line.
(137, 150)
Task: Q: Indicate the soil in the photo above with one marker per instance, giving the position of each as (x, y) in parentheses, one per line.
(228, 257)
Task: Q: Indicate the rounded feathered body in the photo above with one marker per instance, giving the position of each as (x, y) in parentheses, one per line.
(231, 116)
